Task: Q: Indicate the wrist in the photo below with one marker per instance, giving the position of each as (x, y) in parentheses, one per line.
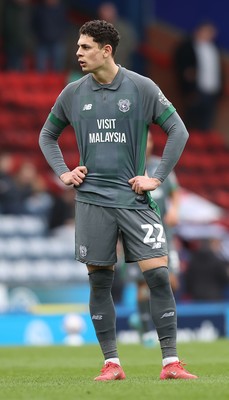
(156, 180)
(63, 173)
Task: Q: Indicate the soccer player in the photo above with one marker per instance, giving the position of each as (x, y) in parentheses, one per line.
(110, 109)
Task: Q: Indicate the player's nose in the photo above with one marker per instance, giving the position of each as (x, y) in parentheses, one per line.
(78, 53)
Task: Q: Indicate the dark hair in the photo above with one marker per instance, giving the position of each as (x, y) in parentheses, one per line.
(102, 33)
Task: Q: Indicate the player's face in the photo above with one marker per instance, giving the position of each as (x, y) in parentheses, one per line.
(90, 55)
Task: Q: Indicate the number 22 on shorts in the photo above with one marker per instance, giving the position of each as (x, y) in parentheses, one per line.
(150, 233)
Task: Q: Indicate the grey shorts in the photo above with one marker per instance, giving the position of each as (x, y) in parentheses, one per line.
(98, 228)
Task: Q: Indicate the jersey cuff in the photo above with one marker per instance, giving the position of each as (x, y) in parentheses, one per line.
(165, 115)
(56, 121)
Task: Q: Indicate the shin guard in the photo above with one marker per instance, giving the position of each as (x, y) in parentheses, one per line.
(102, 310)
(163, 309)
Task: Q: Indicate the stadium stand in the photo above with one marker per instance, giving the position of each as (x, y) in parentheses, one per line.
(29, 256)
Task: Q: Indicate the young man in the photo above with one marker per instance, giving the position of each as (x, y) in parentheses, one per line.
(110, 110)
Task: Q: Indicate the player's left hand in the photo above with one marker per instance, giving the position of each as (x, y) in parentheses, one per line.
(141, 184)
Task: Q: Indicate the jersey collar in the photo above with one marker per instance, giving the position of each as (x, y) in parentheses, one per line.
(114, 85)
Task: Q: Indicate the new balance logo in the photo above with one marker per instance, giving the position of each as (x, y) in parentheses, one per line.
(168, 314)
(156, 245)
(97, 317)
(87, 107)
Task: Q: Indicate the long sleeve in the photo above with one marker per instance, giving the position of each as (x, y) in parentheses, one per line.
(177, 138)
(48, 141)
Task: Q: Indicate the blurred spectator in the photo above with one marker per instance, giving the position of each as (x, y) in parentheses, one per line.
(22, 188)
(39, 202)
(207, 274)
(129, 41)
(49, 22)
(199, 72)
(24, 191)
(63, 209)
(25, 177)
(16, 33)
(6, 183)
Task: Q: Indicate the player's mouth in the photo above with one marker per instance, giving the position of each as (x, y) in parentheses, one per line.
(82, 64)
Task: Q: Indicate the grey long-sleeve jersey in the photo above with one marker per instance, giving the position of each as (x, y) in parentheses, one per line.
(111, 124)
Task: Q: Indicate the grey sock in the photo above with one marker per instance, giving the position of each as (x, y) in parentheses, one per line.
(163, 309)
(102, 311)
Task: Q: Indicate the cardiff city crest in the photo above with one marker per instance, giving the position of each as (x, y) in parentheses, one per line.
(83, 251)
(124, 105)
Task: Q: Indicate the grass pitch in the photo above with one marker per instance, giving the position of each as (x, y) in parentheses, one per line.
(66, 373)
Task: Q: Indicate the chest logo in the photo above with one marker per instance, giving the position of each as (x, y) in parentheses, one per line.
(124, 105)
(87, 107)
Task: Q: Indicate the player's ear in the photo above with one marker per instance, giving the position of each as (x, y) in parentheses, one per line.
(107, 50)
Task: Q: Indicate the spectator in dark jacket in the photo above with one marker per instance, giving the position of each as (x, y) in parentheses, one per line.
(199, 73)
(16, 33)
(50, 29)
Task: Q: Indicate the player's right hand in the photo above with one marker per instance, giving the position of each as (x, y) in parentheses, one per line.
(74, 177)
(142, 183)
